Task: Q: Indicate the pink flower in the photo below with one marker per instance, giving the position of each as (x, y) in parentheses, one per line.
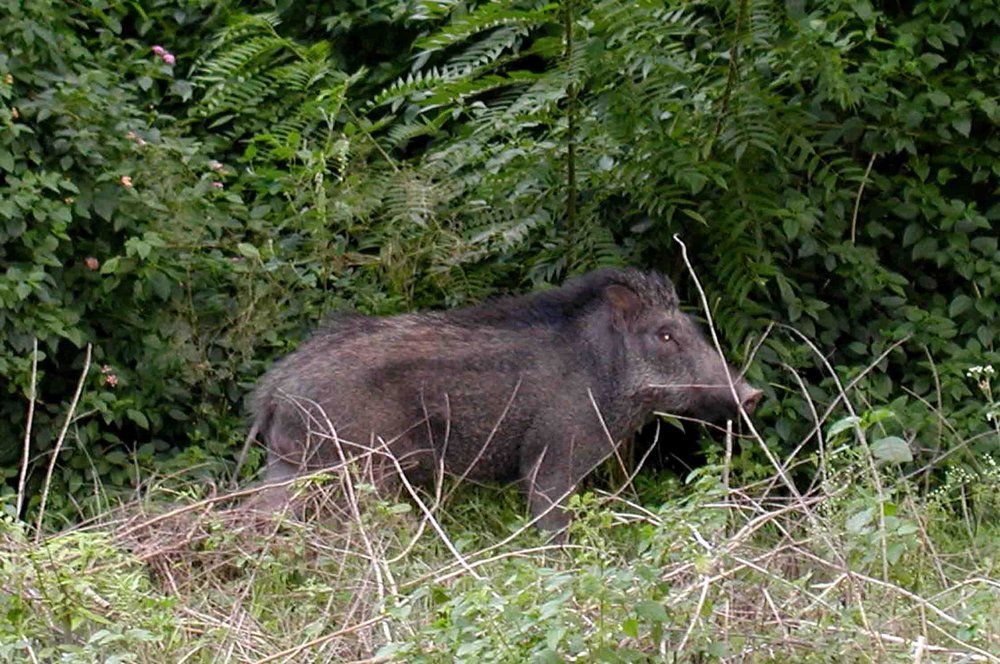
(108, 376)
(91, 264)
(215, 165)
(159, 50)
(126, 181)
(169, 58)
(218, 185)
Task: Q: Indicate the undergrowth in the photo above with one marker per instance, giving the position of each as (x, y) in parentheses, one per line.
(857, 563)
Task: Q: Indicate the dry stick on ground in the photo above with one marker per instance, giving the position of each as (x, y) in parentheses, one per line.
(818, 430)
(756, 348)
(27, 430)
(520, 553)
(728, 460)
(249, 582)
(434, 523)
(330, 432)
(729, 551)
(59, 443)
(732, 387)
(629, 478)
(440, 531)
(370, 451)
(288, 655)
(944, 455)
(892, 587)
(892, 638)
(844, 389)
(131, 530)
(734, 541)
(869, 457)
(940, 408)
(352, 499)
(706, 582)
(465, 562)
(946, 634)
(767, 452)
(921, 518)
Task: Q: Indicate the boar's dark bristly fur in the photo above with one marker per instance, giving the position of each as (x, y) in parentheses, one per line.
(537, 388)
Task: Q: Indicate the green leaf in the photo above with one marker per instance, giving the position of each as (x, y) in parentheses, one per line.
(105, 202)
(892, 449)
(959, 305)
(248, 250)
(843, 425)
(939, 98)
(790, 225)
(857, 522)
(182, 89)
(651, 611)
(932, 60)
(672, 421)
(138, 417)
(630, 626)
(110, 266)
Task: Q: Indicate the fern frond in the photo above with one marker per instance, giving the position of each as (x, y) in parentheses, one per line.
(491, 15)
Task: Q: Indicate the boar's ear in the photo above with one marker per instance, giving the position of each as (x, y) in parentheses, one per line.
(624, 305)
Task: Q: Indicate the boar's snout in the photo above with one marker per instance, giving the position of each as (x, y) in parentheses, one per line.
(721, 398)
(750, 396)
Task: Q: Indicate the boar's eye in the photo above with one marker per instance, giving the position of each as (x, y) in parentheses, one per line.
(663, 336)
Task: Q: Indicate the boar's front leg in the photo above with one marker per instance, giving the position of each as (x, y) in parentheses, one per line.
(552, 465)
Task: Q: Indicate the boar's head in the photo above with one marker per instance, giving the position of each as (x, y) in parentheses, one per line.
(667, 362)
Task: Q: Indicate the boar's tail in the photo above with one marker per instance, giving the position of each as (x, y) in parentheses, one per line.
(262, 417)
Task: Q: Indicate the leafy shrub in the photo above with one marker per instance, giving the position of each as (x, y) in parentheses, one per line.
(119, 232)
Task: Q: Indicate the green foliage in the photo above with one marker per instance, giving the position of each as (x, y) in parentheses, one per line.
(115, 236)
(77, 598)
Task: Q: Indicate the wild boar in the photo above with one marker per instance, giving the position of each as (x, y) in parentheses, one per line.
(537, 388)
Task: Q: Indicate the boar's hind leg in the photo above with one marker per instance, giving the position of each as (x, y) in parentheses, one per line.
(270, 498)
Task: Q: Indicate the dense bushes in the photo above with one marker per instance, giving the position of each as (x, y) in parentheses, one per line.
(832, 167)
